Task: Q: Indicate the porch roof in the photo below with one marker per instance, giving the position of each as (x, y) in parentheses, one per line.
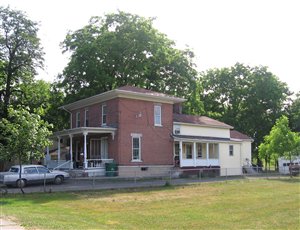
(200, 138)
(87, 130)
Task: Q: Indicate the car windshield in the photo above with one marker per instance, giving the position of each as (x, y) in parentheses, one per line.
(13, 169)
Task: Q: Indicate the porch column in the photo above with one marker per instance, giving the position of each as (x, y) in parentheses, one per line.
(85, 164)
(71, 150)
(180, 153)
(207, 154)
(58, 148)
(194, 154)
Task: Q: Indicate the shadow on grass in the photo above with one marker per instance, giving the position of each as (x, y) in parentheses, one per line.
(292, 180)
(41, 198)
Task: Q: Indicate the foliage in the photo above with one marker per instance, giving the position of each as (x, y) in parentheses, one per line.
(294, 113)
(20, 54)
(44, 99)
(25, 136)
(203, 206)
(124, 49)
(248, 98)
(281, 142)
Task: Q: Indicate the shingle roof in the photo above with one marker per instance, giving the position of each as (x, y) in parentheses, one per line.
(199, 120)
(238, 135)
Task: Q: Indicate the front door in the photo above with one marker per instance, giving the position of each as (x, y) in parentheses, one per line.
(95, 146)
(104, 148)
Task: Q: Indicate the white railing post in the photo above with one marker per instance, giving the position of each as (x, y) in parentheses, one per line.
(85, 150)
(180, 153)
(71, 150)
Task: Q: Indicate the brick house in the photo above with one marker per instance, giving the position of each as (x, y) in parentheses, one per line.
(145, 130)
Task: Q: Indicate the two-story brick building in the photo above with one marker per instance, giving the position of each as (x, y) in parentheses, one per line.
(142, 129)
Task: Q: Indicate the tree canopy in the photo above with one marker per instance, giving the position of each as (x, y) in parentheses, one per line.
(281, 142)
(248, 98)
(125, 49)
(25, 135)
(294, 113)
(20, 55)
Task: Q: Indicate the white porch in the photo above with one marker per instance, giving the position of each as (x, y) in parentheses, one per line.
(88, 148)
(196, 153)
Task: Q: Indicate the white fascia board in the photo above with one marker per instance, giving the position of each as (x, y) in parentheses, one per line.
(122, 94)
(81, 130)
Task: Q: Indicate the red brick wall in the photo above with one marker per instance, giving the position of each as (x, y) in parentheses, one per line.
(95, 114)
(134, 116)
(137, 116)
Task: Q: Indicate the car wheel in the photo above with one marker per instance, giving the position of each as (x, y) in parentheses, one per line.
(21, 183)
(58, 180)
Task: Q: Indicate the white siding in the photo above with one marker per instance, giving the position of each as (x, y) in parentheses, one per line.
(246, 152)
(192, 130)
(230, 165)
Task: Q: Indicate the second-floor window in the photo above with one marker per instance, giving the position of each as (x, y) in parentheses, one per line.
(104, 114)
(77, 119)
(86, 118)
(157, 115)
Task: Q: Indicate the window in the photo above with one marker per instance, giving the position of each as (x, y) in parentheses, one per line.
(200, 148)
(187, 151)
(86, 118)
(213, 151)
(42, 170)
(30, 170)
(157, 115)
(136, 147)
(230, 150)
(15, 170)
(104, 114)
(77, 119)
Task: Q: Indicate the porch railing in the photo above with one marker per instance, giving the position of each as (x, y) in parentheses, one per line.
(58, 164)
(96, 163)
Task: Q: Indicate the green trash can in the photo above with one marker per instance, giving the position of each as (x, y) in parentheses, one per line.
(111, 169)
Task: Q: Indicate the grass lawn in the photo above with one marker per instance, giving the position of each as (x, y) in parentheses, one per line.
(242, 204)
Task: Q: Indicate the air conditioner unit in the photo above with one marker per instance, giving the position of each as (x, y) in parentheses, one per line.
(177, 131)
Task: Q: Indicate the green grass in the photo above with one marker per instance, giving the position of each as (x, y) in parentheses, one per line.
(243, 204)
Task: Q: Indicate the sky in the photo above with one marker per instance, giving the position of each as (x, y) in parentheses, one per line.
(220, 32)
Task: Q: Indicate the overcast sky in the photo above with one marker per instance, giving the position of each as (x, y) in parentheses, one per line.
(220, 32)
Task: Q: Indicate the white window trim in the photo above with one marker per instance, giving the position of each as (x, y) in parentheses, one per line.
(136, 135)
(160, 115)
(102, 115)
(77, 119)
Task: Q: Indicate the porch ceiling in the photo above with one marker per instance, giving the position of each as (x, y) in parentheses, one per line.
(87, 130)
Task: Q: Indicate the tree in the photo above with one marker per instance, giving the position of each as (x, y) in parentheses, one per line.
(248, 98)
(294, 113)
(44, 99)
(25, 135)
(124, 49)
(20, 55)
(281, 142)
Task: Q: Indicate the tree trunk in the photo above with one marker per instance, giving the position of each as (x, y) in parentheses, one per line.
(20, 174)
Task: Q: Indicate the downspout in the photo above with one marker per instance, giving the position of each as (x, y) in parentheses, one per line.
(71, 120)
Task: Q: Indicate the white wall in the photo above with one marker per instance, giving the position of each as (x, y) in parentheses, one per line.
(230, 165)
(192, 130)
(246, 152)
